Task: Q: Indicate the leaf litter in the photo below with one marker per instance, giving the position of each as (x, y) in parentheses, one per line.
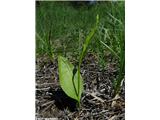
(98, 101)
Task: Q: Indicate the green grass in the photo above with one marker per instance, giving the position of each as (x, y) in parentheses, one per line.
(61, 28)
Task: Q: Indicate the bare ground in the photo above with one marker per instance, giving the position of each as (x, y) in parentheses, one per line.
(98, 101)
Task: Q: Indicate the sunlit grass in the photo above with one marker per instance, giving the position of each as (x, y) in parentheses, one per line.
(61, 28)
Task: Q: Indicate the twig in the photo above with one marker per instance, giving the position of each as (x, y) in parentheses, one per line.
(114, 99)
(96, 97)
(46, 108)
(43, 88)
(47, 103)
(45, 84)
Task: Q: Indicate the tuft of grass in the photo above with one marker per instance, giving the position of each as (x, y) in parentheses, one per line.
(44, 45)
(116, 46)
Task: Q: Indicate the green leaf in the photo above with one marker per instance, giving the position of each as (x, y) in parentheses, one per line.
(110, 49)
(88, 39)
(69, 85)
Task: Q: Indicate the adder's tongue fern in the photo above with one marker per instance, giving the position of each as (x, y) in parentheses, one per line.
(70, 80)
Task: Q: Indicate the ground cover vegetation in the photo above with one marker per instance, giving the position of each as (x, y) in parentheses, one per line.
(62, 31)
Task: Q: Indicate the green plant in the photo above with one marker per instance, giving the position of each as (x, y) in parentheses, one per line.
(44, 45)
(70, 79)
(118, 50)
(67, 21)
(121, 75)
(121, 60)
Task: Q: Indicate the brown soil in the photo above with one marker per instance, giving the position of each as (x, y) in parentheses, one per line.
(97, 103)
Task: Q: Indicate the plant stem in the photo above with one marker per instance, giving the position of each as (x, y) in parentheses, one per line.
(79, 78)
(74, 84)
(84, 50)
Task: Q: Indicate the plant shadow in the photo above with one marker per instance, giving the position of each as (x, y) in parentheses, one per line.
(62, 101)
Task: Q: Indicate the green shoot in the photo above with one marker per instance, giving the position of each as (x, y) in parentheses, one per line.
(70, 79)
(84, 50)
